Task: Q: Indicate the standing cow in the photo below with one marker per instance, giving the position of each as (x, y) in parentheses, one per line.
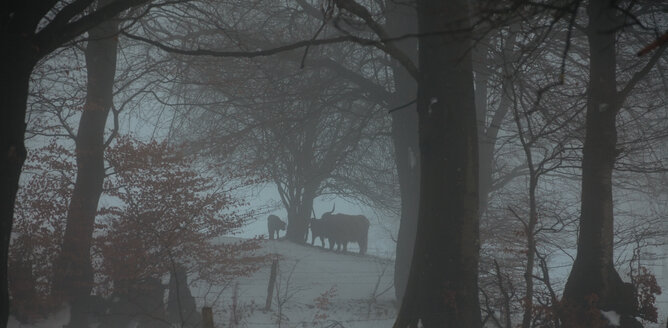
(340, 229)
(319, 229)
(274, 224)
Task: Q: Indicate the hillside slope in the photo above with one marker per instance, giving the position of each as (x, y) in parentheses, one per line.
(358, 290)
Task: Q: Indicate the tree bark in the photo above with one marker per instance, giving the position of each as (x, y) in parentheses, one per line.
(442, 288)
(486, 145)
(16, 69)
(593, 283)
(404, 136)
(23, 49)
(74, 273)
(402, 18)
(299, 211)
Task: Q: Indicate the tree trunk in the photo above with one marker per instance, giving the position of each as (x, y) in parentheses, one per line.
(74, 273)
(486, 146)
(529, 226)
(442, 289)
(298, 214)
(404, 135)
(593, 283)
(403, 19)
(181, 305)
(488, 133)
(16, 70)
(527, 316)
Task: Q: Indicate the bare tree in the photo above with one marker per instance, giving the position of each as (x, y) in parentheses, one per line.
(32, 31)
(312, 131)
(594, 283)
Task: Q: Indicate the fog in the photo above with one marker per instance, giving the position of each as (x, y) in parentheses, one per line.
(335, 163)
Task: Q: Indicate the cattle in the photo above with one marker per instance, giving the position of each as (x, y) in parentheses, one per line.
(274, 224)
(318, 230)
(340, 229)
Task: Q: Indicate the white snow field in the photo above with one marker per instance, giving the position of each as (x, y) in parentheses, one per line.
(360, 295)
(361, 291)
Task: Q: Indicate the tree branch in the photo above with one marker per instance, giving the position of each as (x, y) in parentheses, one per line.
(638, 76)
(61, 30)
(248, 54)
(65, 15)
(361, 12)
(661, 41)
(309, 9)
(378, 92)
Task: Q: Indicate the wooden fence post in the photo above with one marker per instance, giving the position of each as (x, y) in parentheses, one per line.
(207, 317)
(272, 281)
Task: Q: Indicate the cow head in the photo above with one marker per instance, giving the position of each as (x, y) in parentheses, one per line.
(328, 214)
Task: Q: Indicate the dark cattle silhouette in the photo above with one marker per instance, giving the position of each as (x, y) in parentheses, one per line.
(319, 229)
(340, 229)
(274, 224)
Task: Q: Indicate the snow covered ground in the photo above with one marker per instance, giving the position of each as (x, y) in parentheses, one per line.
(357, 290)
(316, 288)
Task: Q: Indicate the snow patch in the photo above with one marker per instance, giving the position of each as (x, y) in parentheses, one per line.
(412, 161)
(58, 319)
(612, 317)
(432, 101)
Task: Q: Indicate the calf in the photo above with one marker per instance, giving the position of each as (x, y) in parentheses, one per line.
(274, 224)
